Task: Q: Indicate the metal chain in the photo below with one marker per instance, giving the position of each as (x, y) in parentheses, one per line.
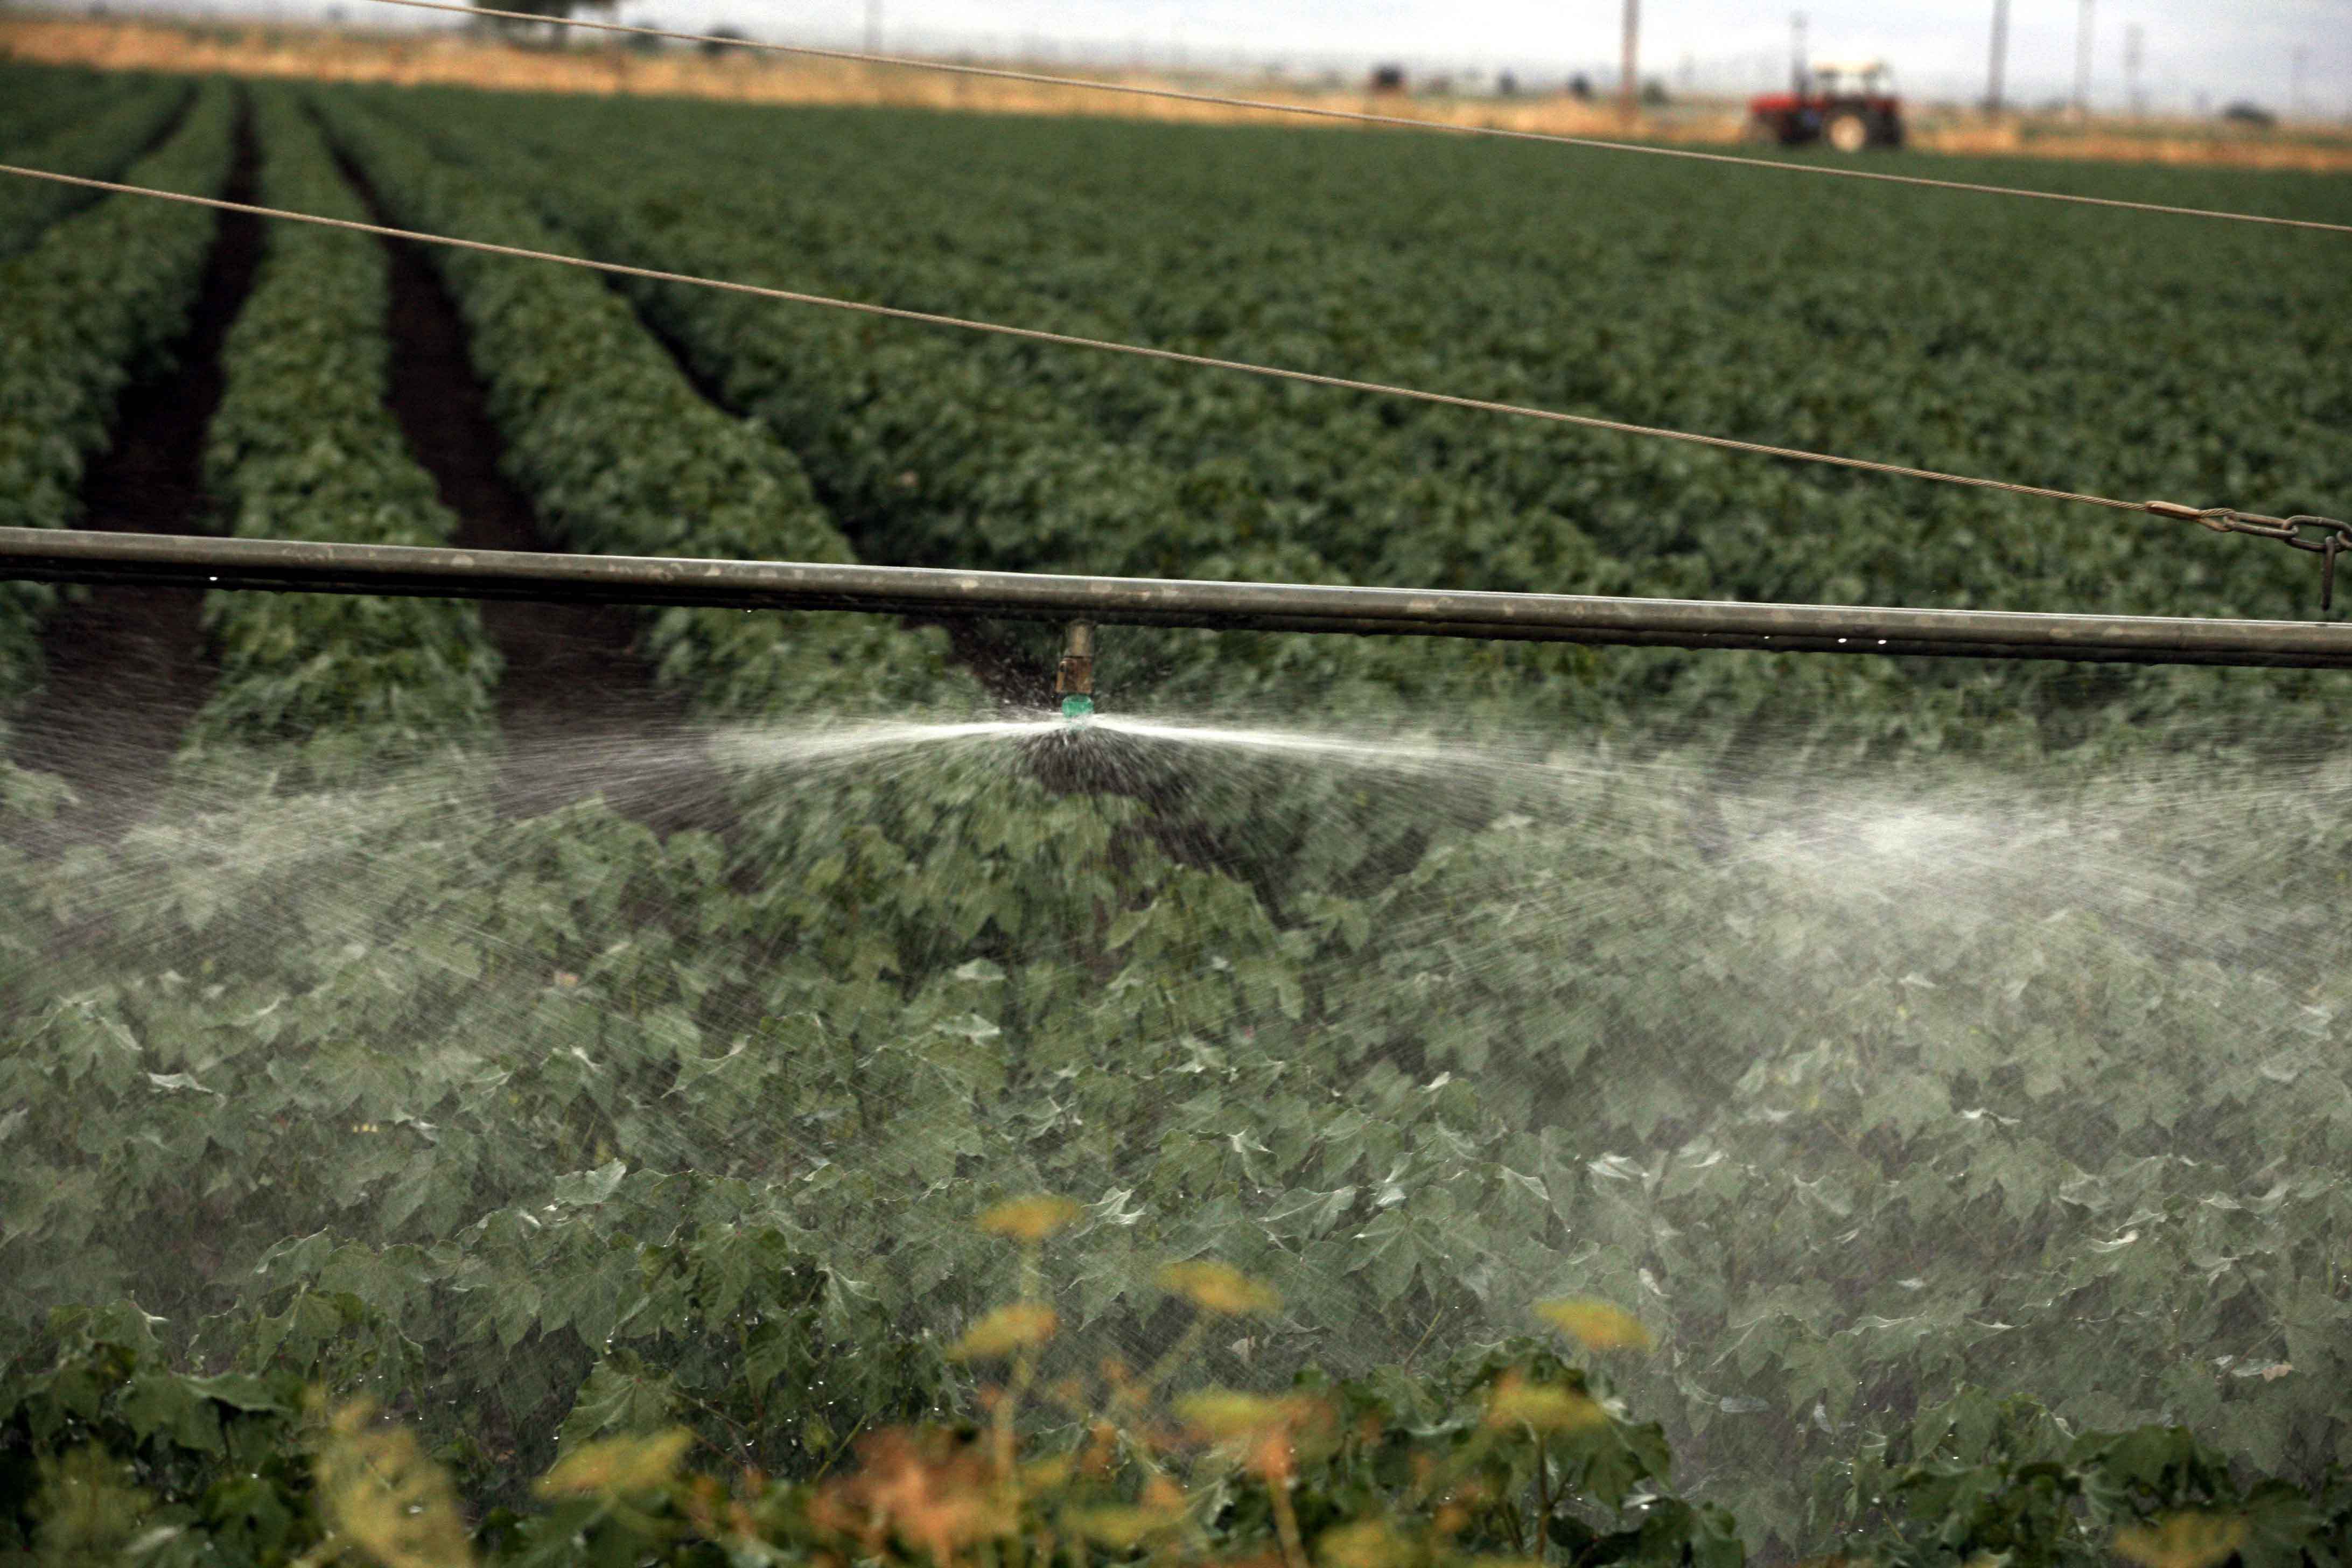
(2220, 518)
(1365, 117)
(2336, 537)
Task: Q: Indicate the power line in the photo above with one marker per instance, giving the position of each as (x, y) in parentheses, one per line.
(2334, 537)
(1364, 117)
(1140, 351)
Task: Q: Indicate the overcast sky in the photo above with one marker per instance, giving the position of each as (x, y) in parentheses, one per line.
(2223, 48)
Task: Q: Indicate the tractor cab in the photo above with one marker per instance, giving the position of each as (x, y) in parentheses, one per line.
(1851, 105)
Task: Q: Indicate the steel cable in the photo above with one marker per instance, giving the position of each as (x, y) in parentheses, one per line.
(1138, 351)
(1364, 117)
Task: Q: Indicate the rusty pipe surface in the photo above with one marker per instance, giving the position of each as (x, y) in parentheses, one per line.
(302, 567)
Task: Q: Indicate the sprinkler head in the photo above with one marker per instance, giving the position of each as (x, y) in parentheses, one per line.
(1074, 679)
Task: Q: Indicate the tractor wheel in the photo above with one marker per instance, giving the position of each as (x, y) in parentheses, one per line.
(1847, 132)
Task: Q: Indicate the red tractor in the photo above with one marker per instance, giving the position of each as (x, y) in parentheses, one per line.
(1850, 107)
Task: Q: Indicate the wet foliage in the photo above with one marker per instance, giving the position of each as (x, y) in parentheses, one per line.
(1510, 1457)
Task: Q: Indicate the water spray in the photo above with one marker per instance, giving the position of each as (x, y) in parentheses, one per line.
(1073, 680)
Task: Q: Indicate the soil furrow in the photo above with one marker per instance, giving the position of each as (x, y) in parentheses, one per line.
(127, 668)
(580, 708)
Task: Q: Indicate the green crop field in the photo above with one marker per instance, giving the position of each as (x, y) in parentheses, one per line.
(551, 1031)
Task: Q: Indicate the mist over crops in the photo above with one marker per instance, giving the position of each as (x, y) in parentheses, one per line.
(563, 1027)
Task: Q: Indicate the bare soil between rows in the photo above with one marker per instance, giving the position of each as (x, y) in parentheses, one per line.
(127, 668)
(580, 708)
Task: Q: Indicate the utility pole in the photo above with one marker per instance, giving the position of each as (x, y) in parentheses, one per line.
(2135, 49)
(2083, 63)
(1800, 67)
(873, 26)
(1629, 87)
(2295, 81)
(2000, 66)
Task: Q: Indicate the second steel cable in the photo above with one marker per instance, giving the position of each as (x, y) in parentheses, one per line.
(1105, 346)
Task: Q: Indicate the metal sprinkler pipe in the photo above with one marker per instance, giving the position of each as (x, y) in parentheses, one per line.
(60, 555)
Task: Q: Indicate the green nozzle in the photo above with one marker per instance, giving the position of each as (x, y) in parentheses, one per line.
(1077, 710)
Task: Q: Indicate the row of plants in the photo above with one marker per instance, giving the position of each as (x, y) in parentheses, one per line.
(575, 384)
(102, 140)
(38, 99)
(82, 313)
(95, 303)
(304, 447)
